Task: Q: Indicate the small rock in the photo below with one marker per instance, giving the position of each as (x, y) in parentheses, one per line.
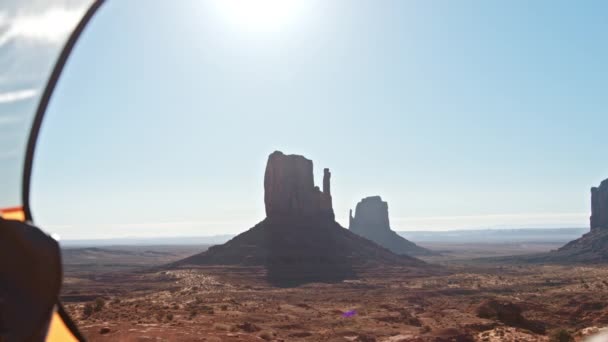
(249, 327)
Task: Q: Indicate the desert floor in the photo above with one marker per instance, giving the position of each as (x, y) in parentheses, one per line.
(114, 295)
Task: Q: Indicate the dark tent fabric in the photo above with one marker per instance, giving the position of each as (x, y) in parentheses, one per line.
(30, 280)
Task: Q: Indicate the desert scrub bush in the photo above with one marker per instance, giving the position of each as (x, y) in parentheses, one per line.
(365, 338)
(249, 327)
(192, 314)
(87, 310)
(409, 319)
(265, 335)
(222, 327)
(561, 335)
(169, 316)
(207, 310)
(99, 304)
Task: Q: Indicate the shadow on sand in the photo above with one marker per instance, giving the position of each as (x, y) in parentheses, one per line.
(305, 251)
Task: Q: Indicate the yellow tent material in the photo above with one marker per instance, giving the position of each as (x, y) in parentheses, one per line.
(58, 330)
(15, 213)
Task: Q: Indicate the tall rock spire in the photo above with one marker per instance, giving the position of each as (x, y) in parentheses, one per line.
(326, 182)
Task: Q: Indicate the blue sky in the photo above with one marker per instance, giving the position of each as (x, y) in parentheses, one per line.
(459, 114)
(31, 35)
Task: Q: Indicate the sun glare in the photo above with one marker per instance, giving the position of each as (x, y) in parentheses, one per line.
(260, 15)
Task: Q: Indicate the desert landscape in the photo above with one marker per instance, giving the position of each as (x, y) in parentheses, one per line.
(299, 276)
(236, 304)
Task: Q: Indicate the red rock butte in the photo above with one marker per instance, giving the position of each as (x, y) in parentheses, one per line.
(299, 241)
(289, 189)
(591, 248)
(599, 206)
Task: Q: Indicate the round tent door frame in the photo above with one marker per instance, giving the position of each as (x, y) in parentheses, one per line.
(44, 102)
(31, 148)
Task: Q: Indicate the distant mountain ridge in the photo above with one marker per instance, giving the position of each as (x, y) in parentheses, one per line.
(519, 235)
(149, 241)
(474, 236)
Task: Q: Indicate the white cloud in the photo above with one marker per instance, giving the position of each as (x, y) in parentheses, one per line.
(49, 26)
(17, 95)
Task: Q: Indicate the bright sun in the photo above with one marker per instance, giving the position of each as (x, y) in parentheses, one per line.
(260, 15)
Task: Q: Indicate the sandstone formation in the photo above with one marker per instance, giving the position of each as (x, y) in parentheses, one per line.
(371, 221)
(592, 247)
(289, 189)
(599, 206)
(299, 241)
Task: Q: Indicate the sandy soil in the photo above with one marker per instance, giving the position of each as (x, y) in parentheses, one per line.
(236, 304)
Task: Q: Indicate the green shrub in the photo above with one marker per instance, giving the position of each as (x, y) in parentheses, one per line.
(87, 310)
(561, 335)
(207, 310)
(99, 304)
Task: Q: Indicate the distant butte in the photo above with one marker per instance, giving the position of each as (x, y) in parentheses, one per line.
(299, 241)
(371, 221)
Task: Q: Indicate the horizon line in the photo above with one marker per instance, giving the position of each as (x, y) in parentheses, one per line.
(234, 234)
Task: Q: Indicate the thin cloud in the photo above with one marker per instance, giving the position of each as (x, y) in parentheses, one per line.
(49, 26)
(493, 216)
(17, 95)
(519, 220)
